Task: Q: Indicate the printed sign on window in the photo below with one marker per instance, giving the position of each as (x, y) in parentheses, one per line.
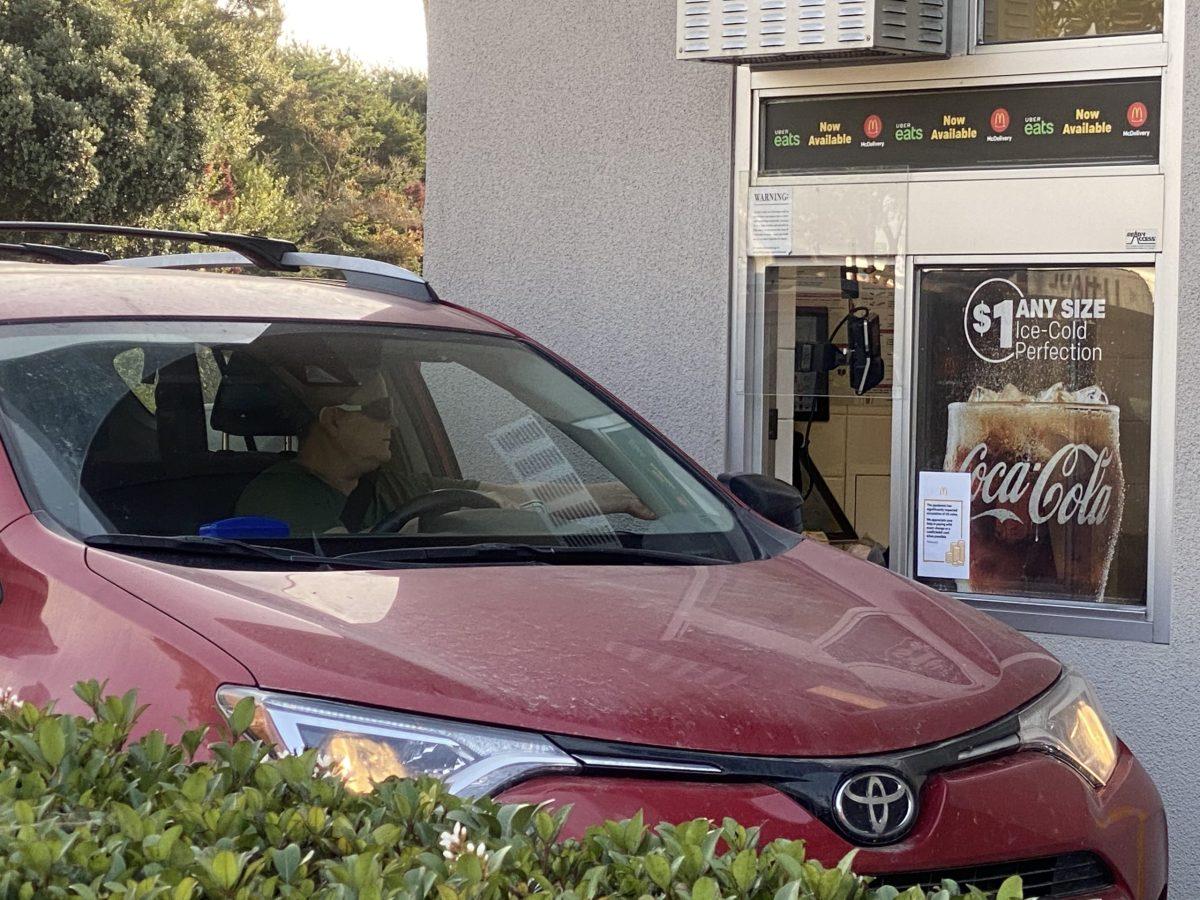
(1035, 383)
(770, 221)
(944, 525)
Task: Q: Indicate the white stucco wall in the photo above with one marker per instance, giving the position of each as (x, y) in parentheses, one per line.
(578, 190)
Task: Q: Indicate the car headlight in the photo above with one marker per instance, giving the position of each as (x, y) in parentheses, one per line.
(365, 746)
(1068, 722)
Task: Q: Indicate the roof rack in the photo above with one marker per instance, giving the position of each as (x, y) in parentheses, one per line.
(55, 254)
(247, 250)
(359, 272)
(266, 253)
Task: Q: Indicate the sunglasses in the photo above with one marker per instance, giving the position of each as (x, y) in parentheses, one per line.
(380, 410)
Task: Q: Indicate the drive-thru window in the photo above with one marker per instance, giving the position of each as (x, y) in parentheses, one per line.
(971, 276)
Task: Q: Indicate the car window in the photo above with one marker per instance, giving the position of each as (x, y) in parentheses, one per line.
(345, 433)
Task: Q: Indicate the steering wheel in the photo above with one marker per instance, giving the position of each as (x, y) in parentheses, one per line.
(436, 503)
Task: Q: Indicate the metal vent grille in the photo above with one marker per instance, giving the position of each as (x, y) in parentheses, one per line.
(773, 31)
(1058, 877)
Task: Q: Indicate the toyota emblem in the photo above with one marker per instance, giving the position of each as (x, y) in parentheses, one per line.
(875, 807)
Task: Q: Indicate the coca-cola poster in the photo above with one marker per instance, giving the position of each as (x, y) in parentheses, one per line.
(1036, 382)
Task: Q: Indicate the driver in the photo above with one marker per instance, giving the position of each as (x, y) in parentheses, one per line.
(330, 485)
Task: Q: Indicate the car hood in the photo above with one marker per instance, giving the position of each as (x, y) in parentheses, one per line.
(812, 653)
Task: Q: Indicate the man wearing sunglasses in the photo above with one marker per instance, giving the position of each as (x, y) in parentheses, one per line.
(326, 488)
(330, 486)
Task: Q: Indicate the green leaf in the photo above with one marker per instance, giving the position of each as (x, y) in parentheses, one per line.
(547, 828)
(51, 740)
(191, 741)
(659, 870)
(90, 692)
(195, 786)
(744, 869)
(242, 716)
(790, 891)
(28, 746)
(23, 812)
(286, 862)
(846, 863)
(40, 856)
(792, 867)
(1012, 889)
(705, 889)
(470, 867)
(132, 825)
(226, 869)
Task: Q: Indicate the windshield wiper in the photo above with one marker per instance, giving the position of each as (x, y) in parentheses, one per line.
(530, 553)
(222, 547)
(486, 553)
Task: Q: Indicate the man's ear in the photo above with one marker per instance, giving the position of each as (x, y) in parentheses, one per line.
(327, 417)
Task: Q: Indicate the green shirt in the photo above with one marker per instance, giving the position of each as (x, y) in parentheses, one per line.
(310, 505)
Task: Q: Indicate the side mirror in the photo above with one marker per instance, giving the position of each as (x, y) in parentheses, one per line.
(774, 500)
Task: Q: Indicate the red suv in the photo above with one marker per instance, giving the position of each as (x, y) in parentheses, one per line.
(425, 544)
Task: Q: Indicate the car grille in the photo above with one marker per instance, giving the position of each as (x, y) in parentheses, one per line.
(1063, 876)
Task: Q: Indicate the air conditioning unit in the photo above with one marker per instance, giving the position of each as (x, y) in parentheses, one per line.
(811, 31)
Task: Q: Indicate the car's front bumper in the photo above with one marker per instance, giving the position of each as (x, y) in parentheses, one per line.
(1018, 807)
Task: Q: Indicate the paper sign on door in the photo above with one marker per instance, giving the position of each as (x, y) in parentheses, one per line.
(944, 525)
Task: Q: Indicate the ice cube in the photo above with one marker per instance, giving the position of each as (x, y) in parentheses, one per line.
(982, 395)
(1093, 394)
(1013, 394)
(1056, 393)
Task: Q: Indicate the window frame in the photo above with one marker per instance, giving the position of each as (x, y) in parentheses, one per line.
(977, 45)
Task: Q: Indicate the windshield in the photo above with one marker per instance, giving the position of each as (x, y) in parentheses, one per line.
(338, 439)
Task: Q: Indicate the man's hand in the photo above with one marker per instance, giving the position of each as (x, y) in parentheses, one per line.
(610, 497)
(614, 497)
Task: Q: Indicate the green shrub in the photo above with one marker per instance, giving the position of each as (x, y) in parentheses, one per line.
(84, 812)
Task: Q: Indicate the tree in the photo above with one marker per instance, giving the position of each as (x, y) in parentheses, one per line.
(189, 114)
(351, 143)
(103, 117)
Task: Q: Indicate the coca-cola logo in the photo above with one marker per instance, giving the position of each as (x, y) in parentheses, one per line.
(1052, 491)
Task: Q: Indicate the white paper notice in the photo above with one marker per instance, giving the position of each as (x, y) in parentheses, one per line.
(944, 525)
(771, 221)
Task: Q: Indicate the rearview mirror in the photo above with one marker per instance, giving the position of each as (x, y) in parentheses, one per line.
(774, 500)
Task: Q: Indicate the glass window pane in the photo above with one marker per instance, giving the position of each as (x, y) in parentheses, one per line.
(377, 416)
(1036, 20)
(829, 422)
(1037, 381)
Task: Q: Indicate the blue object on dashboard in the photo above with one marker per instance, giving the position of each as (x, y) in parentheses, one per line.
(241, 527)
